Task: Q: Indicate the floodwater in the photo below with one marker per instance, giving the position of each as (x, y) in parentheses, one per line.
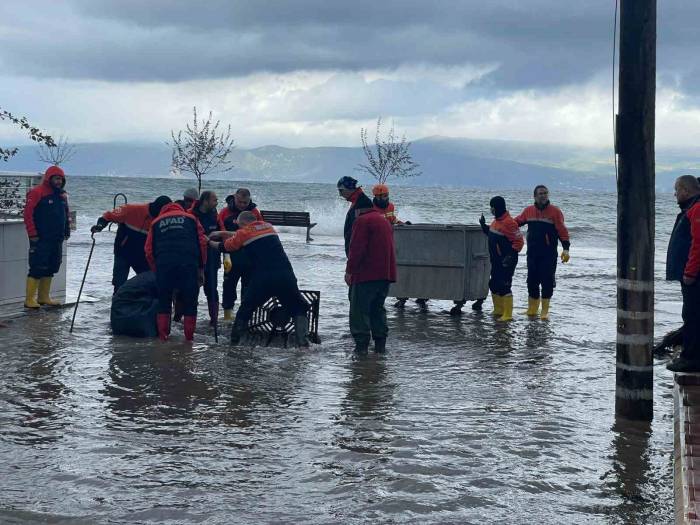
(463, 421)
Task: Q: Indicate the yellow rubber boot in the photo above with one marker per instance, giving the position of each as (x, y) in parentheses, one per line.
(228, 314)
(44, 289)
(533, 306)
(545, 309)
(507, 302)
(32, 287)
(497, 304)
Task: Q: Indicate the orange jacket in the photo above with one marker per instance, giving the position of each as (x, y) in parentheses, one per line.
(262, 246)
(133, 216)
(504, 236)
(545, 228)
(389, 212)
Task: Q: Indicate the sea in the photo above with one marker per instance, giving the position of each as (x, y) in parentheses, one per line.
(464, 420)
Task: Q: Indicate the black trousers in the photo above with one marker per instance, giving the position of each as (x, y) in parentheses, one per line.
(240, 271)
(211, 282)
(501, 280)
(180, 277)
(691, 321)
(367, 313)
(45, 258)
(541, 270)
(122, 264)
(262, 287)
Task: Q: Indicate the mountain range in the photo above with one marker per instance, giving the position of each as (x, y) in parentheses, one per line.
(444, 161)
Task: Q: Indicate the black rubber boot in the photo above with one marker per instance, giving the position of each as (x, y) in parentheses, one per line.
(237, 332)
(476, 305)
(301, 330)
(380, 345)
(361, 348)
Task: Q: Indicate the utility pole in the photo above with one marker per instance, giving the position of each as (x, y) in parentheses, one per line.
(635, 210)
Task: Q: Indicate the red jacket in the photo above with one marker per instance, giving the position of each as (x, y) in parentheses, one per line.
(47, 208)
(226, 216)
(371, 254)
(692, 267)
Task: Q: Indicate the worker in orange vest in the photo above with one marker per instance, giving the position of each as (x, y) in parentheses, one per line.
(383, 205)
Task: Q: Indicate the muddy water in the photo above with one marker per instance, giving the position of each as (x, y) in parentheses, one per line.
(463, 421)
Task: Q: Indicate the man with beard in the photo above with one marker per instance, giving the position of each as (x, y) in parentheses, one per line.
(545, 229)
(236, 265)
(47, 221)
(204, 210)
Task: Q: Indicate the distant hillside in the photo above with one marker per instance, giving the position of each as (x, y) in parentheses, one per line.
(444, 162)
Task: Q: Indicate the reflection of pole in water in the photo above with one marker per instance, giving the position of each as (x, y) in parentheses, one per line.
(635, 209)
(631, 468)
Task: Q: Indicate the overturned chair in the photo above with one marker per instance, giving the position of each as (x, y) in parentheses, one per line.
(271, 320)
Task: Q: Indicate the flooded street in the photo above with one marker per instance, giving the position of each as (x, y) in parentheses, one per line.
(464, 420)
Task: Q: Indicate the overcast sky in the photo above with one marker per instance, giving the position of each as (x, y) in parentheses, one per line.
(307, 73)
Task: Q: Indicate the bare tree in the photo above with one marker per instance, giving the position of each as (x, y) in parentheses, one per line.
(389, 157)
(60, 153)
(200, 148)
(34, 133)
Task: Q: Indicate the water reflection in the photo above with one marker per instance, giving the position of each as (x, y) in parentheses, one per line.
(631, 470)
(367, 406)
(156, 385)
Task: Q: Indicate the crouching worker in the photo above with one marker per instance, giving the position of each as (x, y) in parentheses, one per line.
(505, 242)
(370, 269)
(134, 221)
(47, 221)
(176, 250)
(271, 274)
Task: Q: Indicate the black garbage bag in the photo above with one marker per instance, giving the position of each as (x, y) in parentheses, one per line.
(135, 306)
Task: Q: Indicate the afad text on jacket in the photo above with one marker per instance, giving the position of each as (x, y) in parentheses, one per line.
(176, 237)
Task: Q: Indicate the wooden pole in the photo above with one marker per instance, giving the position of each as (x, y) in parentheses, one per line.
(635, 210)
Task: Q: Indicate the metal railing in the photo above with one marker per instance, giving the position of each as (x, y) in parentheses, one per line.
(13, 191)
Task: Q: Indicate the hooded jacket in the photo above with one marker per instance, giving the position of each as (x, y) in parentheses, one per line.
(371, 256)
(176, 237)
(228, 216)
(545, 228)
(46, 213)
(683, 255)
(358, 200)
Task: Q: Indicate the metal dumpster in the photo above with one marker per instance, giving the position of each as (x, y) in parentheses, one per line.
(441, 261)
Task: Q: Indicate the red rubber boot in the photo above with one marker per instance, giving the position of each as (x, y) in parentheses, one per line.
(190, 323)
(163, 321)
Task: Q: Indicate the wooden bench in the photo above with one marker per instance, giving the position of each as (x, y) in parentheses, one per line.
(290, 218)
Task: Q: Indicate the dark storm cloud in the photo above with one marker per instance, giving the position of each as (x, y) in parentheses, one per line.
(535, 43)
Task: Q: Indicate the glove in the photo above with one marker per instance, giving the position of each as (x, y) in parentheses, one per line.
(565, 256)
(227, 263)
(482, 220)
(96, 228)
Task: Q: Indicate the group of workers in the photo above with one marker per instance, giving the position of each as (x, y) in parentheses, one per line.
(545, 230)
(184, 243)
